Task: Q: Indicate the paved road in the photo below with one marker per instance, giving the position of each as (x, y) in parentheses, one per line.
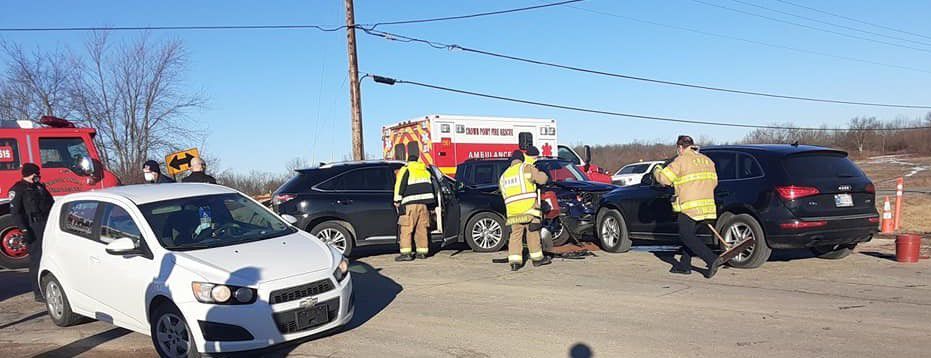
(627, 305)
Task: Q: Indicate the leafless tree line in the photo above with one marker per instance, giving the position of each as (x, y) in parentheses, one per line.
(861, 137)
(133, 92)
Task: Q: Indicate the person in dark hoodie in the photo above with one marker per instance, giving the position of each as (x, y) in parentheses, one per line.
(153, 173)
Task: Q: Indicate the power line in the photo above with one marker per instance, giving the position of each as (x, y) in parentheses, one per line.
(182, 27)
(830, 23)
(499, 12)
(750, 41)
(815, 28)
(392, 81)
(854, 19)
(439, 45)
(276, 27)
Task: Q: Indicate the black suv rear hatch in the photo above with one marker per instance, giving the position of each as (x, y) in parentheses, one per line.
(842, 188)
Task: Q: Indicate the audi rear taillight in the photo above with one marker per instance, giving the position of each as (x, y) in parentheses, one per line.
(798, 224)
(874, 220)
(870, 188)
(282, 198)
(792, 192)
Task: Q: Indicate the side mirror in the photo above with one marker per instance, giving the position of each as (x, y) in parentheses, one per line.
(290, 219)
(84, 166)
(123, 246)
(588, 157)
(647, 179)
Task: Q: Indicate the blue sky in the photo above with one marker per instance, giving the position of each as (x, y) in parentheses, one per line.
(279, 94)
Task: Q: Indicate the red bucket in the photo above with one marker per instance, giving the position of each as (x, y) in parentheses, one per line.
(907, 248)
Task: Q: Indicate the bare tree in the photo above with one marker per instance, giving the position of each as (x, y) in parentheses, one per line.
(133, 93)
(862, 129)
(35, 84)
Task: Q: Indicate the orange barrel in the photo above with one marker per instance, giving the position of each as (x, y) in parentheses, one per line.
(907, 248)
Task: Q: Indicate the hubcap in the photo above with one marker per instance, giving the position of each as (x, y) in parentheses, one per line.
(610, 232)
(54, 301)
(14, 244)
(486, 233)
(334, 238)
(739, 232)
(172, 335)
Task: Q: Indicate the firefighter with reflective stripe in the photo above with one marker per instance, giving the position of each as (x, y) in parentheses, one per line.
(413, 196)
(694, 178)
(518, 186)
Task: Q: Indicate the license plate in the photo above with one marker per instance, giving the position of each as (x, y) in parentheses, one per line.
(843, 200)
(312, 316)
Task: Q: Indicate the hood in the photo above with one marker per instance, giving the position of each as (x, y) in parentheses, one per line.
(252, 263)
(589, 186)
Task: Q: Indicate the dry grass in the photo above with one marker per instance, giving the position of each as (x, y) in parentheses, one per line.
(917, 206)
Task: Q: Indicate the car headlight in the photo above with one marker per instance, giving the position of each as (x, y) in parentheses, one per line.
(222, 294)
(341, 270)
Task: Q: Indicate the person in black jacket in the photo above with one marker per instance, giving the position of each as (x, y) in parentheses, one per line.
(198, 166)
(153, 173)
(30, 204)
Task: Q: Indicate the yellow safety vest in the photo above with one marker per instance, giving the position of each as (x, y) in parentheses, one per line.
(418, 189)
(520, 194)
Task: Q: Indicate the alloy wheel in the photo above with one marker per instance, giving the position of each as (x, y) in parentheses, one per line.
(172, 335)
(54, 300)
(738, 232)
(334, 238)
(486, 233)
(610, 231)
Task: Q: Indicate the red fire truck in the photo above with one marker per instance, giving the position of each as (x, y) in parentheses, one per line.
(447, 140)
(69, 161)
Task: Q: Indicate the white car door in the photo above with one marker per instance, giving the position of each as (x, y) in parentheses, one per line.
(123, 280)
(74, 247)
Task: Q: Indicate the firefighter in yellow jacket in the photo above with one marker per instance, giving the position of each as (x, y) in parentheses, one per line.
(518, 186)
(413, 196)
(694, 178)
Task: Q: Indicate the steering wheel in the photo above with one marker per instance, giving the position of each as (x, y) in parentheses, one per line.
(232, 229)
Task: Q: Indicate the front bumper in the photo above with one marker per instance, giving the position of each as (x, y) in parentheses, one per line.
(258, 319)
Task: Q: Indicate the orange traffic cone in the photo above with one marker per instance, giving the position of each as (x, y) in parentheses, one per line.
(887, 226)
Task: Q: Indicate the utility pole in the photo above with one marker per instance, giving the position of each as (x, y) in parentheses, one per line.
(355, 97)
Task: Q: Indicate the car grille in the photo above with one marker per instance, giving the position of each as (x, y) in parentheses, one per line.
(297, 320)
(299, 292)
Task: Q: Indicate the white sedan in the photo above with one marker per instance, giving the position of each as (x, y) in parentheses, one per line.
(633, 173)
(200, 268)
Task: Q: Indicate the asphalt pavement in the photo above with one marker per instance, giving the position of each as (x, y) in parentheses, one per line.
(459, 304)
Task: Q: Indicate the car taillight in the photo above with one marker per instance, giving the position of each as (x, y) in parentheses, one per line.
(874, 220)
(798, 224)
(870, 188)
(792, 192)
(282, 198)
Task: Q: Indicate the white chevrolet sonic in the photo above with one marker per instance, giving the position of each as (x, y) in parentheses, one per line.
(200, 268)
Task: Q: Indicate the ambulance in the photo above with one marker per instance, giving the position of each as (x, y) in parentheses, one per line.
(447, 140)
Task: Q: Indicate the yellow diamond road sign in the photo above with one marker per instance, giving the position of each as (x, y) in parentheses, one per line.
(179, 162)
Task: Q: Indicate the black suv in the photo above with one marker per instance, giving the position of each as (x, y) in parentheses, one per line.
(350, 204)
(576, 196)
(784, 196)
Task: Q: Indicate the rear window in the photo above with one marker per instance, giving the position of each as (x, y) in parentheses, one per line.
(634, 169)
(821, 165)
(299, 183)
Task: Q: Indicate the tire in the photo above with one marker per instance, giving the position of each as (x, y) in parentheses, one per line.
(486, 232)
(833, 252)
(13, 251)
(336, 234)
(563, 237)
(735, 228)
(171, 334)
(59, 308)
(611, 231)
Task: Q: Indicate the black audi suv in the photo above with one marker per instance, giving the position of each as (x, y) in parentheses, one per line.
(784, 196)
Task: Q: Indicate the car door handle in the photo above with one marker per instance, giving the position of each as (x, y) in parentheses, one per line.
(344, 202)
(95, 260)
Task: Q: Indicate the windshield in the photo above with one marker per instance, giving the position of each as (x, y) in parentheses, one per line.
(559, 170)
(633, 169)
(202, 222)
